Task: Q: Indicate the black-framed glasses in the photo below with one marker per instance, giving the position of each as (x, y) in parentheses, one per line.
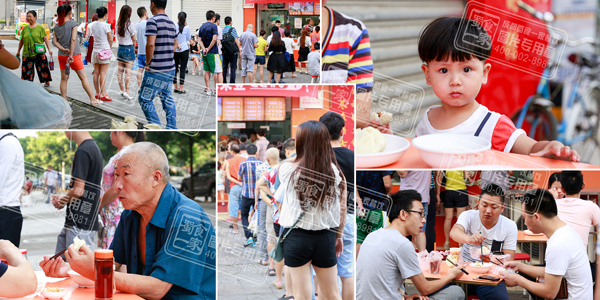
(421, 213)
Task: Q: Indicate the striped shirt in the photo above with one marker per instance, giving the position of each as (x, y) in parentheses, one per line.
(248, 175)
(164, 29)
(347, 52)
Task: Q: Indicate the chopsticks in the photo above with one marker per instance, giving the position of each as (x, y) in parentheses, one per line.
(501, 264)
(463, 270)
(57, 254)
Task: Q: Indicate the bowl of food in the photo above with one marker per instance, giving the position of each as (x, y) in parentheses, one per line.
(480, 268)
(375, 149)
(53, 292)
(80, 280)
(446, 151)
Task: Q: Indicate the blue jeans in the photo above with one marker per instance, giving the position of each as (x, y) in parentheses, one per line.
(158, 84)
(345, 263)
(498, 292)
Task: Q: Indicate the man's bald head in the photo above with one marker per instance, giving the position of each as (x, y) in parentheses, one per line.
(150, 155)
(250, 27)
(273, 155)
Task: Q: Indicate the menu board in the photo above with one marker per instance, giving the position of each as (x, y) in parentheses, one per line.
(301, 8)
(253, 109)
(274, 109)
(233, 109)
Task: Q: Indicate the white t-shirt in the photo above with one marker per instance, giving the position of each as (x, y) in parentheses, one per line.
(219, 38)
(129, 32)
(419, 181)
(581, 215)
(100, 30)
(140, 28)
(314, 218)
(81, 27)
(288, 45)
(50, 177)
(12, 170)
(566, 256)
(504, 231)
(306, 42)
(498, 129)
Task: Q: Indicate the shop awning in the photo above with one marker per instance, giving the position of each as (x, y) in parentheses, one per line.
(268, 90)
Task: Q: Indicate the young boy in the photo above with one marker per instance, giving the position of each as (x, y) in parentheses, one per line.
(456, 77)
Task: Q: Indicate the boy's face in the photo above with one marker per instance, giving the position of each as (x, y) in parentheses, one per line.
(456, 83)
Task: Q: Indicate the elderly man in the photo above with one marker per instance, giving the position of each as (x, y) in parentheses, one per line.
(166, 240)
(17, 278)
(249, 41)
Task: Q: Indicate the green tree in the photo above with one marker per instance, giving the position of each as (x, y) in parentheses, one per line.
(50, 148)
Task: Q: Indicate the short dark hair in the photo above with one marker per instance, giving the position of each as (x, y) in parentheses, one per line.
(540, 201)
(160, 4)
(251, 149)
(317, 46)
(235, 148)
(101, 11)
(262, 32)
(243, 146)
(277, 21)
(317, 29)
(243, 138)
(141, 11)
(209, 15)
(227, 20)
(274, 28)
(334, 123)
(493, 190)
(217, 17)
(437, 40)
(402, 200)
(289, 144)
(261, 131)
(286, 33)
(571, 181)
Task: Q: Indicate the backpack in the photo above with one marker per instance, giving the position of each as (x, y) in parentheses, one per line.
(229, 47)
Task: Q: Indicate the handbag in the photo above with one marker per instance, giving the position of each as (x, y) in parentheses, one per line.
(277, 251)
(563, 292)
(105, 54)
(37, 48)
(287, 56)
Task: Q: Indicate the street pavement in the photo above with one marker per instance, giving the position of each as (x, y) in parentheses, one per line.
(42, 223)
(240, 276)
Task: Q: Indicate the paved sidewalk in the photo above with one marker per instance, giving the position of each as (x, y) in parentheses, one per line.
(195, 110)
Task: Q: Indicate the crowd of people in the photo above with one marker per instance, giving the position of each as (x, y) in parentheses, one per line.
(388, 257)
(273, 181)
(114, 204)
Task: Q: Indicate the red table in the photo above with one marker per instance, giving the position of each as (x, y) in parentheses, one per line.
(534, 239)
(75, 292)
(412, 160)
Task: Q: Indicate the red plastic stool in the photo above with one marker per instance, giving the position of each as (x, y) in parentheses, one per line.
(315, 79)
(472, 297)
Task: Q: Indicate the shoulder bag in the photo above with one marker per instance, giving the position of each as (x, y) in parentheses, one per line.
(277, 250)
(37, 48)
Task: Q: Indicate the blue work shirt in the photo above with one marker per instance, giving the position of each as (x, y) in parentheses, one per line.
(180, 246)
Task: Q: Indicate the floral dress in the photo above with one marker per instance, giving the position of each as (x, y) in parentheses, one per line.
(111, 213)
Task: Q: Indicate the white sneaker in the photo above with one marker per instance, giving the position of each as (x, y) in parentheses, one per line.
(126, 96)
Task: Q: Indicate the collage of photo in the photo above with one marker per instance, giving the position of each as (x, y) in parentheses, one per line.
(230, 149)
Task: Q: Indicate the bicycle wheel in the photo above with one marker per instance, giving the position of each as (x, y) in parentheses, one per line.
(539, 124)
(588, 120)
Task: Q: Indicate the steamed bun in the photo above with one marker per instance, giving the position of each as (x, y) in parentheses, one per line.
(369, 140)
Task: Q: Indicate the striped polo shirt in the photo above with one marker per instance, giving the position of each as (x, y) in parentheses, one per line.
(347, 52)
(164, 29)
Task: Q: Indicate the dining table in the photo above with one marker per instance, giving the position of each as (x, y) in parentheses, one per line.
(540, 239)
(75, 292)
(465, 279)
(489, 159)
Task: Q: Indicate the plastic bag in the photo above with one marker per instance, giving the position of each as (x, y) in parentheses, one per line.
(475, 252)
(253, 226)
(27, 105)
(423, 264)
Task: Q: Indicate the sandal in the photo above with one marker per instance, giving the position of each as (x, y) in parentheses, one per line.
(106, 98)
(96, 104)
(286, 298)
(447, 246)
(47, 84)
(280, 286)
(262, 262)
(271, 272)
(231, 231)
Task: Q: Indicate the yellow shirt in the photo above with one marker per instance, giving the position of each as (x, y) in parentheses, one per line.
(455, 180)
(261, 47)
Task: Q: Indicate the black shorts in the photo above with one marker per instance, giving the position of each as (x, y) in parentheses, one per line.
(302, 246)
(458, 198)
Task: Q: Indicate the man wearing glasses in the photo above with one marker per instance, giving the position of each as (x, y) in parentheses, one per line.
(486, 227)
(387, 258)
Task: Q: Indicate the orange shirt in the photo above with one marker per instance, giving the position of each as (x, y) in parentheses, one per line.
(314, 37)
(234, 167)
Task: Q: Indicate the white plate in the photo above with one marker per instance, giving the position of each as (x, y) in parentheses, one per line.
(395, 147)
(447, 151)
(80, 280)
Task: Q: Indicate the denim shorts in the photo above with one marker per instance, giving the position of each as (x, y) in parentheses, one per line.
(141, 61)
(196, 55)
(345, 263)
(260, 60)
(126, 53)
(235, 200)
